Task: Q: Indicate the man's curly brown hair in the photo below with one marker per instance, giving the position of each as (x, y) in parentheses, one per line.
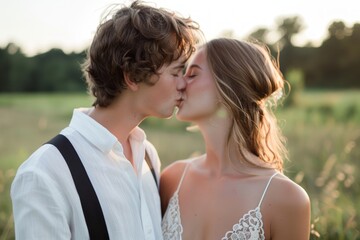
(137, 41)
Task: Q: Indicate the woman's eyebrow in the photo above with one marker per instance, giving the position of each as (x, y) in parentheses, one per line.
(193, 66)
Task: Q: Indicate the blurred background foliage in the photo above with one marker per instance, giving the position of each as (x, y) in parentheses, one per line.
(334, 64)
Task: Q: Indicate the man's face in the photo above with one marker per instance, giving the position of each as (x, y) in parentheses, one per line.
(160, 99)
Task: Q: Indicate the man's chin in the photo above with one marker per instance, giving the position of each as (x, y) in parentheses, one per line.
(167, 115)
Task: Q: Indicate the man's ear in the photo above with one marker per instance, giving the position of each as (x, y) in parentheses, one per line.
(130, 84)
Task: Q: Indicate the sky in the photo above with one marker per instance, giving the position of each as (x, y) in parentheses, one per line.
(39, 25)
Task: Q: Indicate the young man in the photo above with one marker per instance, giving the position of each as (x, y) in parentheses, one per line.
(134, 70)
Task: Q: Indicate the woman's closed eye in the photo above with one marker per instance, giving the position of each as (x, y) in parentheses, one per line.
(192, 71)
(190, 75)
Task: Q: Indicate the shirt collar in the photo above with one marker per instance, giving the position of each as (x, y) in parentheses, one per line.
(94, 132)
(138, 135)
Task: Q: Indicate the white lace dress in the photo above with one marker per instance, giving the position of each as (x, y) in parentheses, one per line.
(249, 227)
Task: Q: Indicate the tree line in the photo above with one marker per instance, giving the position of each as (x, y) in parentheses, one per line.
(333, 64)
(47, 72)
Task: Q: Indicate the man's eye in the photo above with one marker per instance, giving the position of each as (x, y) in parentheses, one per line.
(177, 74)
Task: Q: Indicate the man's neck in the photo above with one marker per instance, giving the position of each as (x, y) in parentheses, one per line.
(120, 118)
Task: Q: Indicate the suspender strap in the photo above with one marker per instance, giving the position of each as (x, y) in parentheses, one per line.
(90, 203)
(148, 161)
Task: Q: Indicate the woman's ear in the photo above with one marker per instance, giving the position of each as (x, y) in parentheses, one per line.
(130, 84)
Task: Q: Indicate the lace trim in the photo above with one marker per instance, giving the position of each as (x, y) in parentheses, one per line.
(171, 224)
(250, 227)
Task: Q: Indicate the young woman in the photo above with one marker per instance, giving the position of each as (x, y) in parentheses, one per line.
(237, 190)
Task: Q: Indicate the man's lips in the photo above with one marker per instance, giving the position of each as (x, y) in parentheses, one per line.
(179, 101)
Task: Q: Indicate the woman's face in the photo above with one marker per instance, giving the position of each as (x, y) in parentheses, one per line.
(200, 99)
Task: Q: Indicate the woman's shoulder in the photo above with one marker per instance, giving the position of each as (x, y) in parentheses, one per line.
(176, 169)
(173, 172)
(289, 206)
(289, 193)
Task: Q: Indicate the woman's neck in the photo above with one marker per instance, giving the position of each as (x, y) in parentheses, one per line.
(223, 156)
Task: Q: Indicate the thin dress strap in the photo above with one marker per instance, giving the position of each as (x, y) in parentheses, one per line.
(263, 195)
(182, 177)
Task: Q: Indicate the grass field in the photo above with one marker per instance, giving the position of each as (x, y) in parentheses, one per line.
(323, 132)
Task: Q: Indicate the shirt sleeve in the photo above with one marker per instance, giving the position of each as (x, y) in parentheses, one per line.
(36, 208)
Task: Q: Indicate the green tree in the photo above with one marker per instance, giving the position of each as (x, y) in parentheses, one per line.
(288, 27)
(18, 70)
(57, 71)
(259, 35)
(338, 30)
(4, 69)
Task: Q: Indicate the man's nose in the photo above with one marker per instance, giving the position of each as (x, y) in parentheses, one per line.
(181, 84)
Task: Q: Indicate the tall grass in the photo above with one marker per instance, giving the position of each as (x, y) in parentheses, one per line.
(323, 132)
(323, 137)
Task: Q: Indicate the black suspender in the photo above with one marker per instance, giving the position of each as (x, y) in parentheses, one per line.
(93, 214)
(90, 203)
(148, 161)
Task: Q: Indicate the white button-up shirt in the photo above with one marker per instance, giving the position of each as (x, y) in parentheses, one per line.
(46, 204)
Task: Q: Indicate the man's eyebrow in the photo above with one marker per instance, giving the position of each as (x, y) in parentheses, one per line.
(179, 66)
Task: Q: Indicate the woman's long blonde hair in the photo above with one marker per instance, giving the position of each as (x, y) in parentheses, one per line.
(250, 84)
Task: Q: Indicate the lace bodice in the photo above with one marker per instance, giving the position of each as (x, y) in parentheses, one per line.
(171, 224)
(249, 227)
